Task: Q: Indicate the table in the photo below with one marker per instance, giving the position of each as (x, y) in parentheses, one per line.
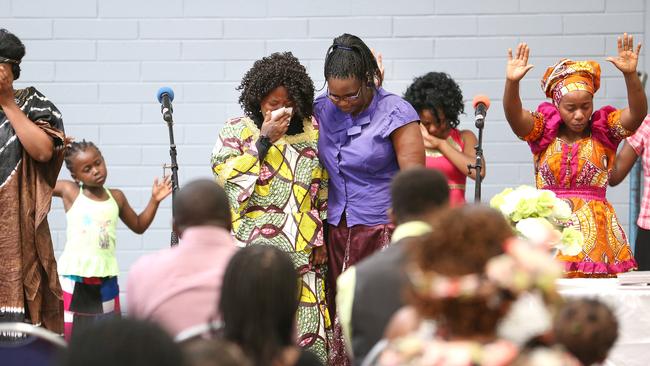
(631, 303)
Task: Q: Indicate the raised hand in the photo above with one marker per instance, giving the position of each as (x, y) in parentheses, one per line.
(161, 189)
(380, 63)
(518, 66)
(628, 57)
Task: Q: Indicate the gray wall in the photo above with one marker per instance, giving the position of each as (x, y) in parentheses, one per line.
(102, 61)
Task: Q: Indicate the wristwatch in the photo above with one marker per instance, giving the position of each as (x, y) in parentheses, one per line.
(263, 145)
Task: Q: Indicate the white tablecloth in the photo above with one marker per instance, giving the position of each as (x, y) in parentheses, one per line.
(632, 307)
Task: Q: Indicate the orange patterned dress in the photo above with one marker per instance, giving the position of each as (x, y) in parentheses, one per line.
(578, 173)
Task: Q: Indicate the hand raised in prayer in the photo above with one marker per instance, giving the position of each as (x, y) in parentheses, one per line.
(380, 63)
(518, 66)
(628, 57)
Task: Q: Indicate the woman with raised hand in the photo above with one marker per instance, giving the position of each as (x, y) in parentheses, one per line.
(574, 147)
(31, 155)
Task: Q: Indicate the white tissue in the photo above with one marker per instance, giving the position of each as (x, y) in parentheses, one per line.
(279, 111)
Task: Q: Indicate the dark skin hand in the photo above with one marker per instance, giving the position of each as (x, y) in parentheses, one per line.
(69, 190)
(34, 140)
(521, 121)
(89, 168)
(319, 255)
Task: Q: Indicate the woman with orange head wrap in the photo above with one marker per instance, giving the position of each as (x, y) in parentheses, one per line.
(574, 147)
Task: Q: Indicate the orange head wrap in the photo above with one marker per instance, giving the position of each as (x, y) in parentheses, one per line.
(568, 75)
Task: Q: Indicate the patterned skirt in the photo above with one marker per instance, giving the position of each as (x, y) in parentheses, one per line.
(87, 300)
(605, 251)
(313, 320)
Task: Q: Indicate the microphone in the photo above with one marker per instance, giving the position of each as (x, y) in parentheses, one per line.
(481, 103)
(165, 97)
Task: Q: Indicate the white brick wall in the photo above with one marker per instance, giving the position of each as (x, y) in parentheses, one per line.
(102, 61)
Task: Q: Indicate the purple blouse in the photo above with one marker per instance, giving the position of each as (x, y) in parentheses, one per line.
(359, 156)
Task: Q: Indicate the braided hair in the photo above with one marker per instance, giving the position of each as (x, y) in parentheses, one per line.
(74, 148)
(12, 50)
(349, 57)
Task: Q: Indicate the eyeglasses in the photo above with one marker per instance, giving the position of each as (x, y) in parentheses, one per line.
(347, 99)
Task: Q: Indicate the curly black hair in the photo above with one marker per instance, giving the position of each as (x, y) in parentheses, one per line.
(268, 73)
(12, 48)
(437, 90)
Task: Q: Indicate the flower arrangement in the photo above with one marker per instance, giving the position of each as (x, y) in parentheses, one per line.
(540, 217)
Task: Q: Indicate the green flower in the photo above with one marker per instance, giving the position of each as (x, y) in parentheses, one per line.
(526, 207)
(571, 241)
(545, 203)
(499, 200)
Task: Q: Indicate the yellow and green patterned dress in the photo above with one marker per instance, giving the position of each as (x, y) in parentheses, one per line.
(281, 201)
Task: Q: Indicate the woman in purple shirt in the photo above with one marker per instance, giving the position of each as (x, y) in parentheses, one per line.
(367, 136)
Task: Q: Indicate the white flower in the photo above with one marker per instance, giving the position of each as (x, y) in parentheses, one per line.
(513, 198)
(509, 205)
(538, 231)
(561, 210)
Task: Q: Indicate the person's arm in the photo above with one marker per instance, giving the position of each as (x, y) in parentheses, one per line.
(68, 191)
(623, 163)
(626, 62)
(59, 188)
(140, 223)
(520, 120)
(408, 145)
(34, 140)
(460, 159)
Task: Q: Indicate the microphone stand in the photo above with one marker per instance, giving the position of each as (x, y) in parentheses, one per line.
(478, 166)
(173, 166)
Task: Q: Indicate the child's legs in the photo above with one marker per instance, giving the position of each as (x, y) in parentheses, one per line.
(87, 300)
